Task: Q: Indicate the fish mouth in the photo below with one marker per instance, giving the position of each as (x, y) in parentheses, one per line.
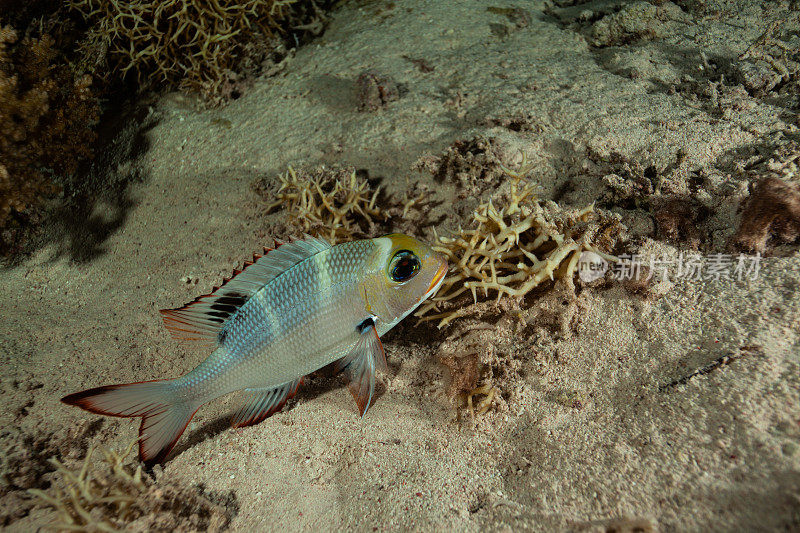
(437, 279)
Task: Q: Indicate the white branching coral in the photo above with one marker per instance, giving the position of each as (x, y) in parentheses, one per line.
(332, 202)
(514, 248)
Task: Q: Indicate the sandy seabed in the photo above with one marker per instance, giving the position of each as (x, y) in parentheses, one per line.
(628, 418)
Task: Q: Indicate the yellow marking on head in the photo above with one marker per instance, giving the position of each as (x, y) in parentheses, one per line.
(392, 299)
(403, 242)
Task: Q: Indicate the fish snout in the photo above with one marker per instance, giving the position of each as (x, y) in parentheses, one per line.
(439, 276)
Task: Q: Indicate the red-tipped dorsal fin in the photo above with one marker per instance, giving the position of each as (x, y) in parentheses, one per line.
(202, 319)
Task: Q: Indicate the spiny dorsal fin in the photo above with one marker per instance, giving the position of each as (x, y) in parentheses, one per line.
(202, 319)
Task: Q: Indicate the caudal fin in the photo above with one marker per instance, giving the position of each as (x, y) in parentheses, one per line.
(164, 417)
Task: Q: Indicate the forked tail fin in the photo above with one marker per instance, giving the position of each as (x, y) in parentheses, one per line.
(164, 416)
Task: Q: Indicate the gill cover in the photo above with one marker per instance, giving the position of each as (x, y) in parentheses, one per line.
(408, 271)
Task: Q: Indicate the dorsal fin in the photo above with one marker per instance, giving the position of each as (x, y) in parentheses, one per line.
(202, 319)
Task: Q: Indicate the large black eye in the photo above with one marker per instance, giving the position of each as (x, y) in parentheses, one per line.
(404, 266)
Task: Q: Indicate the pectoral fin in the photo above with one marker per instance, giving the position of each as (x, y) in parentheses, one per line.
(360, 365)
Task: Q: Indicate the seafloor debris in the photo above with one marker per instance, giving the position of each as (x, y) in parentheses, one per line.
(635, 22)
(463, 356)
(780, 161)
(771, 62)
(375, 90)
(473, 164)
(421, 64)
(516, 15)
(464, 364)
(471, 359)
(771, 215)
(488, 392)
(678, 221)
(784, 162)
(334, 203)
(520, 122)
(633, 184)
(720, 361)
(517, 246)
(109, 496)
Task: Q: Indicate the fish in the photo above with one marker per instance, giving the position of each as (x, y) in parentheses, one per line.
(293, 310)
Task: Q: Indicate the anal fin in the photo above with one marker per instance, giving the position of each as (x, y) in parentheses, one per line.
(258, 404)
(361, 364)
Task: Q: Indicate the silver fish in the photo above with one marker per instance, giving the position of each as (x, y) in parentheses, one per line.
(288, 313)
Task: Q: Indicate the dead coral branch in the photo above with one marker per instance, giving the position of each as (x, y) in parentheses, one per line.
(108, 495)
(515, 248)
(334, 203)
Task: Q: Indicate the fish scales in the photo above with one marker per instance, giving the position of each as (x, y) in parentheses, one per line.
(294, 325)
(285, 315)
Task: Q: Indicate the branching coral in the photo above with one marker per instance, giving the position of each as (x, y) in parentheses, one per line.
(511, 250)
(109, 497)
(46, 121)
(334, 203)
(515, 248)
(195, 44)
(83, 493)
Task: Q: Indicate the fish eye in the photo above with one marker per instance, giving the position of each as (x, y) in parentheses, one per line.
(404, 266)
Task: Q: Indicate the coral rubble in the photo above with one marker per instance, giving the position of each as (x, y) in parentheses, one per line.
(333, 203)
(473, 164)
(375, 90)
(772, 63)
